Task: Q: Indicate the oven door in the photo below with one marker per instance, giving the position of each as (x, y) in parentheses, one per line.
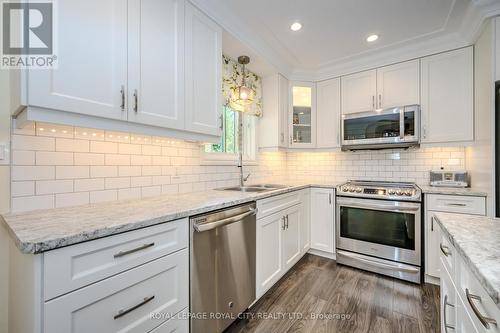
(379, 228)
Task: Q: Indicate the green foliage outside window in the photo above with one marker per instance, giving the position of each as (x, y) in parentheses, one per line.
(229, 138)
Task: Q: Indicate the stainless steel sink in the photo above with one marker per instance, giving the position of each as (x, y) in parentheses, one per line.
(254, 188)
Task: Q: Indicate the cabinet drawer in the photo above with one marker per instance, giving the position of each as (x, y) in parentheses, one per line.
(456, 204)
(137, 300)
(76, 266)
(447, 254)
(178, 324)
(478, 297)
(277, 203)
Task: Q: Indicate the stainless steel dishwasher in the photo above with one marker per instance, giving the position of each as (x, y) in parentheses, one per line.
(222, 267)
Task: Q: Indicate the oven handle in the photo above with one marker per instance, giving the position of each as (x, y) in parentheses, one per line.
(406, 208)
(378, 264)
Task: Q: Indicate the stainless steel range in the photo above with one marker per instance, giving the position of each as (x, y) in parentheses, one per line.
(379, 228)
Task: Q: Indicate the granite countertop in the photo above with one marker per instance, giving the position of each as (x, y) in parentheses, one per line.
(476, 239)
(44, 230)
(427, 189)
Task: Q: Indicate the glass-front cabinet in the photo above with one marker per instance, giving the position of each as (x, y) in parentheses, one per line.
(302, 115)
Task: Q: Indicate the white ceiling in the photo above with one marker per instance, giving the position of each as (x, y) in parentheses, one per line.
(334, 31)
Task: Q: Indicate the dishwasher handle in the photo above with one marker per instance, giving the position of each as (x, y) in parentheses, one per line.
(212, 225)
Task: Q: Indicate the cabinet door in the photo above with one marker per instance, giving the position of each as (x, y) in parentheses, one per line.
(465, 324)
(291, 236)
(398, 84)
(322, 220)
(359, 91)
(203, 73)
(124, 302)
(448, 307)
(156, 62)
(302, 115)
(447, 96)
(269, 251)
(328, 114)
(305, 221)
(433, 237)
(92, 61)
(283, 103)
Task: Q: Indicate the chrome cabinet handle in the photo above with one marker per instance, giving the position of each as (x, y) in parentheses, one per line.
(287, 221)
(290, 139)
(425, 131)
(212, 225)
(380, 101)
(486, 321)
(283, 223)
(456, 204)
(432, 223)
(221, 126)
(136, 101)
(373, 102)
(123, 312)
(445, 249)
(282, 137)
(140, 248)
(330, 198)
(122, 92)
(445, 303)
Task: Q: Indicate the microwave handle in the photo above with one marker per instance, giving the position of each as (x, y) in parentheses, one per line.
(402, 124)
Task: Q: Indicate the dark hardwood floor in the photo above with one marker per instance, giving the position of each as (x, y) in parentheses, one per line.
(354, 300)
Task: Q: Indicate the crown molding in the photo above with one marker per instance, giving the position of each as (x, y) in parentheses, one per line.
(477, 12)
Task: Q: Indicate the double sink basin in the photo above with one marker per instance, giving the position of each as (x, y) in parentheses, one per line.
(254, 188)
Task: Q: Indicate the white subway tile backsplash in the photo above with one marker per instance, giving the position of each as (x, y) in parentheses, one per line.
(21, 189)
(53, 186)
(33, 173)
(103, 147)
(92, 184)
(103, 196)
(72, 172)
(21, 157)
(23, 204)
(72, 145)
(89, 159)
(129, 193)
(116, 159)
(72, 199)
(53, 158)
(103, 171)
(26, 142)
(125, 148)
(117, 182)
(129, 171)
(150, 191)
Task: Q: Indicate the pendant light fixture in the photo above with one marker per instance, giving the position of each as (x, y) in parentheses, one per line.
(242, 95)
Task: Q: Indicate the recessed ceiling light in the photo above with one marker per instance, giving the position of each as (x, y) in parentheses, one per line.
(371, 38)
(296, 26)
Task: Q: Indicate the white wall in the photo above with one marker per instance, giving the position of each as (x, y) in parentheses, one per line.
(479, 157)
(5, 107)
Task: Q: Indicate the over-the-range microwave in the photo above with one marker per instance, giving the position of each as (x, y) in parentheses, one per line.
(388, 128)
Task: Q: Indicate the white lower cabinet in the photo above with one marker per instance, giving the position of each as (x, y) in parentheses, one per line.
(125, 302)
(178, 324)
(282, 236)
(322, 220)
(449, 204)
(466, 307)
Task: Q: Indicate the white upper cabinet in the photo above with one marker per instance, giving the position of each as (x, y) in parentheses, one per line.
(273, 126)
(92, 61)
(447, 81)
(156, 62)
(302, 115)
(359, 92)
(398, 84)
(328, 114)
(203, 73)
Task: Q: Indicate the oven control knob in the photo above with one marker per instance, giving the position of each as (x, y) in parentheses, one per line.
(391, 191)
(409, 193)
(351, 189)
(399, 192)
(359, 190)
